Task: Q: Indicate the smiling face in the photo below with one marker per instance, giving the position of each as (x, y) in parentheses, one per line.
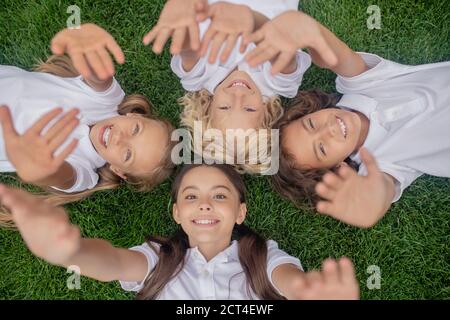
(237, 103)
(208, 206)
(131, 144)
(325, 138)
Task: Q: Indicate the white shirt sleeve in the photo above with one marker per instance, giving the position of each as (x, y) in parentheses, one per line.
(152, 260)
(287, 85)
(86, 177)
(194, 79)
(112, 96)
(379, 71)
(277, 257)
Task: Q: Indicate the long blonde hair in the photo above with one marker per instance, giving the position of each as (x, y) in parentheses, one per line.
(62, 66)
(197, 107)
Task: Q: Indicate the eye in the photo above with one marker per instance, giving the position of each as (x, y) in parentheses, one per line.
(128, 155)
(190, 197)
(322, 149)
(249, 109)
(311, 124)
(224, 107)
(220, 196)
(136, 130)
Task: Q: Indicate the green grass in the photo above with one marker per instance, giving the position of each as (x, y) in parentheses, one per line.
(410, 245)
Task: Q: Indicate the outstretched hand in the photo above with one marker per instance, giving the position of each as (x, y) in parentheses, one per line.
(45, 229)
(336, 281)
(179, 20)
(280, 38)
(89, 48)
(357, 200)
(33, 153)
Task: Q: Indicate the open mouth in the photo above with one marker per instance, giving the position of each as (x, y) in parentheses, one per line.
(239, 83)
(104, 135)
(342, 126)
(205, 222)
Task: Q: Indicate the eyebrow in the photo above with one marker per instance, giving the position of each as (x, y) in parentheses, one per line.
(313, 146)
(215, 187)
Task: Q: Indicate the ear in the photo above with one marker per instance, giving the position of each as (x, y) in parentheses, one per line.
(242, 213)
(118, 172)
(175, 214)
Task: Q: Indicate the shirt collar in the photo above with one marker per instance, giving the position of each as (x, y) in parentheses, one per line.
(229, 254)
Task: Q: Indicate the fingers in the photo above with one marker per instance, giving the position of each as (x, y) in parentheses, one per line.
(325, 192)
(177, 40)
(283, 60)
(345, 172)
(370, 162)
(107, 62)
(325, 207)
(15, 199)
(347, 270)
(57, 47)
(80, 63)
(194, 36)
(63, 134)
(206, 40)
(255, 37)
(261, 54)
(161, 39)
(149, 37)
(66, 152)
(331, 271)
(61, 124)
(96, 64)
(7, 124)
(44, 120)
(217, 43)
(116, 51)
(230, 43)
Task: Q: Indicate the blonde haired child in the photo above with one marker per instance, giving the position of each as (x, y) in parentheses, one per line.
(212, 256)
(227, 93)
(115, 137)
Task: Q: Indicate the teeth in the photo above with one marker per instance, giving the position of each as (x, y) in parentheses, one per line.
(205, 221)
(106, 136)
(239, 84)
(343, 127)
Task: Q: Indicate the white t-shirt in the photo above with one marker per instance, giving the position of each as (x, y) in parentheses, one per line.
(220, 278)
(409, 112)
(29, 95)
(208, 76)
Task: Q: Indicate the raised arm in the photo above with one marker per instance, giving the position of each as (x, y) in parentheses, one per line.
(336, 281)
(50, 236)
(280, 38)
(89, 48)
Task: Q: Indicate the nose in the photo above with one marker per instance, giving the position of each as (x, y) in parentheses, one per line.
(331, 127)
(238, 99)
(117, 137)
(205, 207)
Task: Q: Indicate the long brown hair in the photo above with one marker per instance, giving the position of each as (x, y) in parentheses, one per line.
(62, 66)
(291, 182)
(252, 247)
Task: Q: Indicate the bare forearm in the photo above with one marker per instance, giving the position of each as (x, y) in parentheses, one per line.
(99, 260)
(259, 19)
(349, 62)
(287, 278)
